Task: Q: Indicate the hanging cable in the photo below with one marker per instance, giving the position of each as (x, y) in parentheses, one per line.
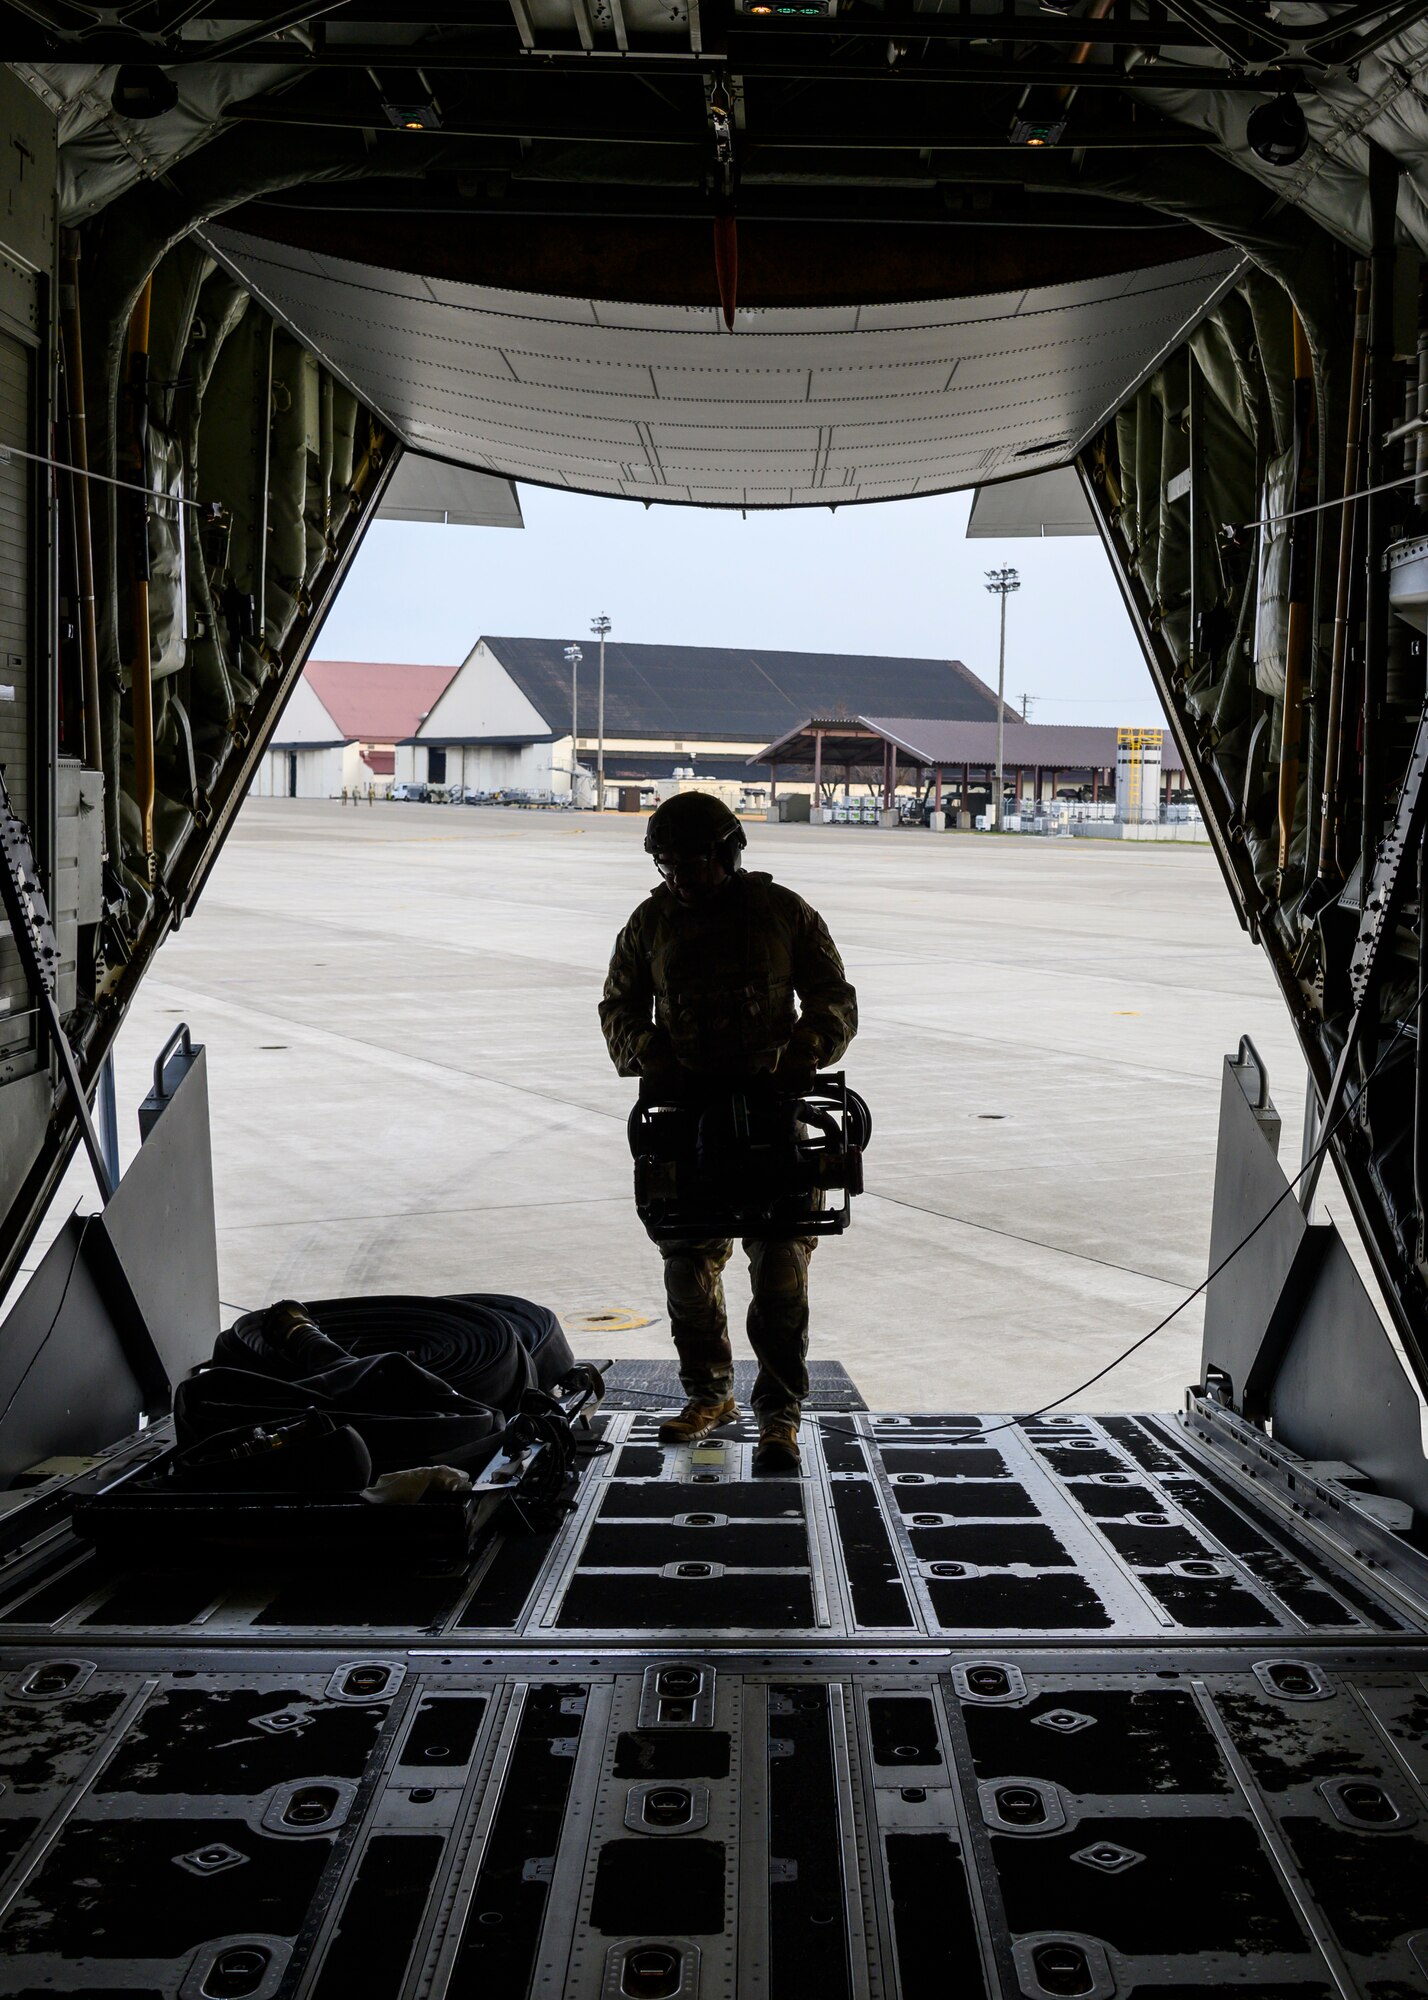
(151, 494)
(1229, 1257)
(1090, 1382)
(38, 1346)
(1323, 506)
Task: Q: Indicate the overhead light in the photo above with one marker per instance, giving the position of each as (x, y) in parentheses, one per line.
(789, 10)
(425, 117)
(1028, 131)
(142, 90)
(1277, 132)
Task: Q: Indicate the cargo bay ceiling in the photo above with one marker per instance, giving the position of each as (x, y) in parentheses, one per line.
(949, 241)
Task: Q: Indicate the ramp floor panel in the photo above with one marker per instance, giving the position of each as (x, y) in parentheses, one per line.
(649, 1385)
(1082, 1528)
(448, 1824)
(1060, 1707)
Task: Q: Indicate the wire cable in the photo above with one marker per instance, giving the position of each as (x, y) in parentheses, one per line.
(54, 1316)
(1230, 1255)
(1324, 506)
(149, 493)
(1090, 1382)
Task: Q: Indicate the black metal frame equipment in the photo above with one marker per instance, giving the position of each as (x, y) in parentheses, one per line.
(747, 1159)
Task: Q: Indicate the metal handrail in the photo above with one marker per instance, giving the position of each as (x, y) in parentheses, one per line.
(180, 1037)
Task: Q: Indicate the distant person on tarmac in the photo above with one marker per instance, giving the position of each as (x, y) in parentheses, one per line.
(703, 982)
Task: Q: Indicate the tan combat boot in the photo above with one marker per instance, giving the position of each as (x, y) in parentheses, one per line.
(777, 1448)
(696, 1420)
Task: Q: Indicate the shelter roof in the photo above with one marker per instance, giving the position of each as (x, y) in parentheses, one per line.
(376, 701)
(723, 694)
(936, 741)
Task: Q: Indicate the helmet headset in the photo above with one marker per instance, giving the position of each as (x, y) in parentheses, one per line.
(697, 823)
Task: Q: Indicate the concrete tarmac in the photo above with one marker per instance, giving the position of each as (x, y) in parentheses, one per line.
(410, 1091)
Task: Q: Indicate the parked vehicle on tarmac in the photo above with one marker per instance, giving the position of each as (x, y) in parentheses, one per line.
(409, 794)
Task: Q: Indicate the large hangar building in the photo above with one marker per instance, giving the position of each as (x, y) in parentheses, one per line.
(340, 729)
(507, 719)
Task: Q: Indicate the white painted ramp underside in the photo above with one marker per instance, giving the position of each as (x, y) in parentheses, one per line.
(794, 408)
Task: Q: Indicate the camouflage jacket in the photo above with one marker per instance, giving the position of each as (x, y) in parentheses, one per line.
(715, 986)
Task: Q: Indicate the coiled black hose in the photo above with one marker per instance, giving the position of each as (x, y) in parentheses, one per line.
(489, 1346)
(535, 1327)
(422, 1380)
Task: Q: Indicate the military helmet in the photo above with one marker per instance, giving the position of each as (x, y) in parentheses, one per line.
(695, 823)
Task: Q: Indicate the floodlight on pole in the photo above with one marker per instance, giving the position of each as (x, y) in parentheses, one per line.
(1001, 582)
(600, 627)
(575, 656)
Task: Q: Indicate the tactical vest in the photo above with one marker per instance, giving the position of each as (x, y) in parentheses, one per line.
(723, 974)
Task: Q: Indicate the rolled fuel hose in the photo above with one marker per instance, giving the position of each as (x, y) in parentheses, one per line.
(489, 1346)
(536, 1328)
(473, 1345)
(422, 1380)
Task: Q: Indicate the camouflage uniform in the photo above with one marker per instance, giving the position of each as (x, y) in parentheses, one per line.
(714, 987)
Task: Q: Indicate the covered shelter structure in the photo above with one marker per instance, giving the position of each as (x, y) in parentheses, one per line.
(955, 758)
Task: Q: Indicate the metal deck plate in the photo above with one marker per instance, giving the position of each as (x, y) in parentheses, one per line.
(654, 1385)
(1076, 1529)
(1078, 1708)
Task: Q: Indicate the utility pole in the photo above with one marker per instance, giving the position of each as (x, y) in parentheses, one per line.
(1001, 582)
(575, 656)
(600, 627)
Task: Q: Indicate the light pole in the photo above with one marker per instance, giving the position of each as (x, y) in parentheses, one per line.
(575, 656)
(600, 627)
(1002, 582)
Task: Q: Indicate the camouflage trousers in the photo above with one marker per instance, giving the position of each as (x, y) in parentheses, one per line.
(777, 1325)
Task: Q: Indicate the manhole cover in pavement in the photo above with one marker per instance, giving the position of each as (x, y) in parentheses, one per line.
(606, 1319)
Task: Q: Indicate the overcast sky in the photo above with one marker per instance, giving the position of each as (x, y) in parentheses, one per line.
(899, 577)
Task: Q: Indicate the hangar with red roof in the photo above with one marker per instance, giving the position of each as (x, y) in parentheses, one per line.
(340, 729)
